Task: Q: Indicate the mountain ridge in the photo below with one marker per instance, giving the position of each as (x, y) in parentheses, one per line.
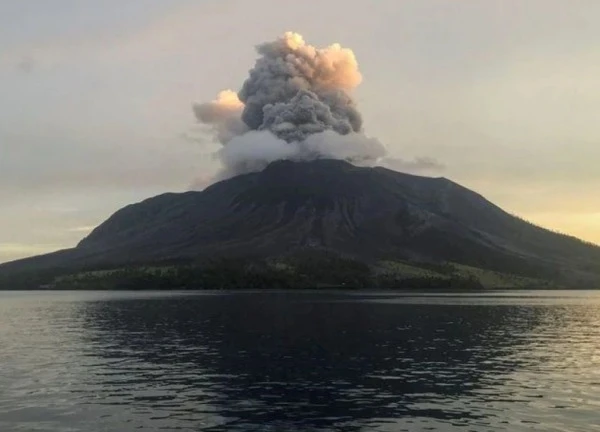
(370, 214)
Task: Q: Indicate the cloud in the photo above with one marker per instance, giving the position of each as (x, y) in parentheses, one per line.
(164, 29)
(82, 229)
(13, 251)
(26, 65)
(34, 166)
(419, 165)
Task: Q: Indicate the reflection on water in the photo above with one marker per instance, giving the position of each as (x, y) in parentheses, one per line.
(299, 361)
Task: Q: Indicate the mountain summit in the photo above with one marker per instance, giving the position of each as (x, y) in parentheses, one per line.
(369, 214)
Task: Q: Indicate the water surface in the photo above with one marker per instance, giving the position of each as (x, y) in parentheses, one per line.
(282, 361)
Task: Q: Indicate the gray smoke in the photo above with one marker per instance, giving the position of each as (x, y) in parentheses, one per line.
(296, 90)
(295, 104)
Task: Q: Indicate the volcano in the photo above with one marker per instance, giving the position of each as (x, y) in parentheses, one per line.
(368, 214)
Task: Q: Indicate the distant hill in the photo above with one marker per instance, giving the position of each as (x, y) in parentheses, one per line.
(370, 215)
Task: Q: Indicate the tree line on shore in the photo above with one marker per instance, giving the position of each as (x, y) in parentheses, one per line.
(297, 272)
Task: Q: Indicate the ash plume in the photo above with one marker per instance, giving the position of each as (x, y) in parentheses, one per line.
(224, 115)
(295, 104)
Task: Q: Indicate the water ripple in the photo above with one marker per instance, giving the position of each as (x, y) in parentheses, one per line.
(299, 361)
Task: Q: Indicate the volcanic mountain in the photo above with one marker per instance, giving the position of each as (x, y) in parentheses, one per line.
(369, 214)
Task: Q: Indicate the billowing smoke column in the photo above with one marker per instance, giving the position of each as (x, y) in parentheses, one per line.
(295, 104)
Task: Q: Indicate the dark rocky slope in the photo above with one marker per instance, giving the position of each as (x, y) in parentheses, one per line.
(367, 213)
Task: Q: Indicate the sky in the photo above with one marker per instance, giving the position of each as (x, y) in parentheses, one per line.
(96, 100)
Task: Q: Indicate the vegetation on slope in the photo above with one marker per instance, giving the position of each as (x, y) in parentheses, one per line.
(304, 270)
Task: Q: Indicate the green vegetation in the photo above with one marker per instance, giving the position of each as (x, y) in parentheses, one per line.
(298, 271)
(494, 279)
(452, 272)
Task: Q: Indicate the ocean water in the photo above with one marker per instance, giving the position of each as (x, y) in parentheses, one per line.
(304, 361)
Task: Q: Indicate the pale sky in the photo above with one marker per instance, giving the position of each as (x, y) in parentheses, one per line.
(96, 99)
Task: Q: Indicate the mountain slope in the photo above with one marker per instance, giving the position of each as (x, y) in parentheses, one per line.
(367, 213)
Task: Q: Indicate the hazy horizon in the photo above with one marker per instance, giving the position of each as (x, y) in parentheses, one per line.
(97, 100)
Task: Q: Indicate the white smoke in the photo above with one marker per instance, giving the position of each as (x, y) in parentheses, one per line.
(254, 150)
(295, 104)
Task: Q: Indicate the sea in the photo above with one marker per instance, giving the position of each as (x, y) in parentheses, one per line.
(299, 361)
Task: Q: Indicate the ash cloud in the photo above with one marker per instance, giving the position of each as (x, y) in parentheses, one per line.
(295, 104)
(296, 90)
(224, 116)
